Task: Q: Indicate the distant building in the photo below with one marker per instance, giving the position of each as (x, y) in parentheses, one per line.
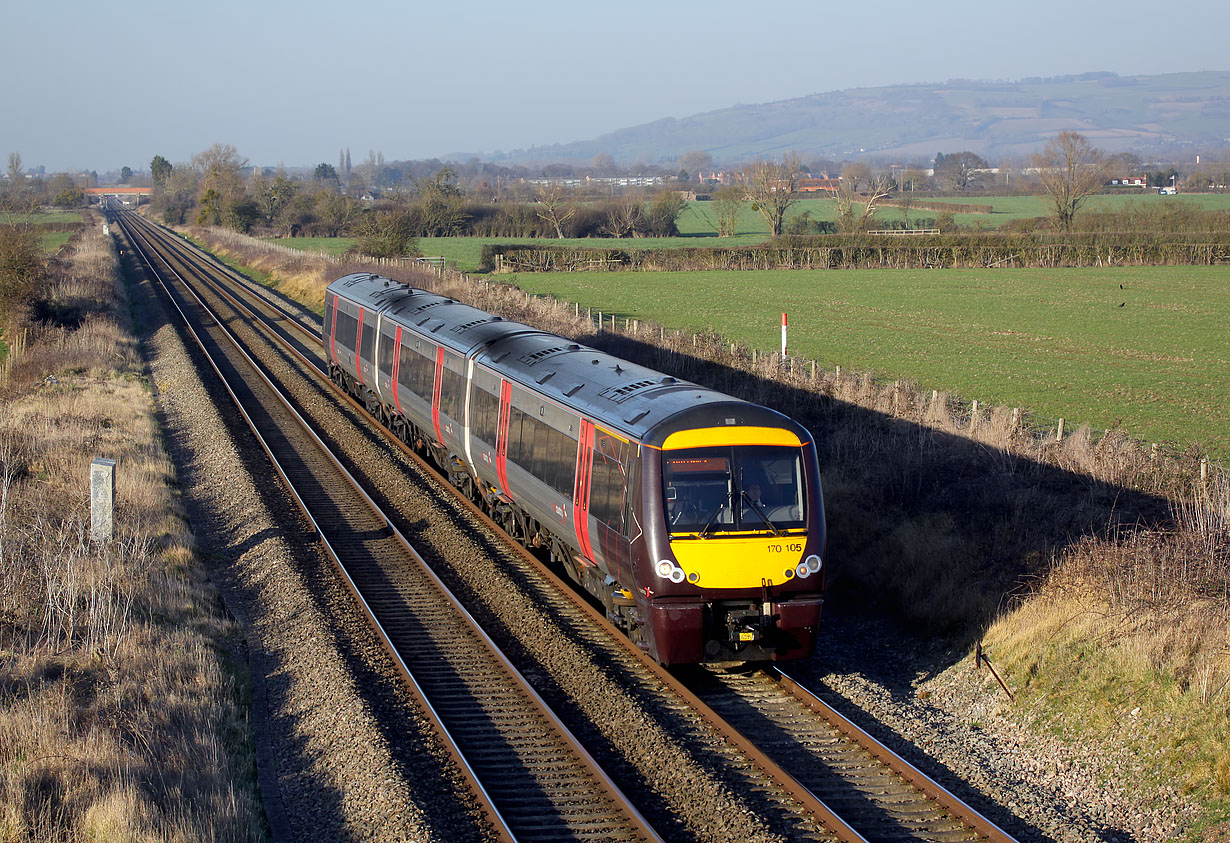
(1130, 181)
(817, 185)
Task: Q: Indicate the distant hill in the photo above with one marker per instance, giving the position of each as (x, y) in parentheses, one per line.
(994, 119)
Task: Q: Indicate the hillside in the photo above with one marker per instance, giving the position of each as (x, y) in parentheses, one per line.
(995, 119)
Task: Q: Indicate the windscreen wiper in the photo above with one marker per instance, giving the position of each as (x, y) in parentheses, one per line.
(704, 531)
(755, 507)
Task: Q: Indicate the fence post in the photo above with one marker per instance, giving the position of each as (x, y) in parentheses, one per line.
(837, 379)
(973, 416)
(1059, 432)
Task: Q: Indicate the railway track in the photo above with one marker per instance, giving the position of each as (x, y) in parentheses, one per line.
(533, 776)
(850, 793)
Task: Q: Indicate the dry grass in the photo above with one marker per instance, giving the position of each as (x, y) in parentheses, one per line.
(118, 717)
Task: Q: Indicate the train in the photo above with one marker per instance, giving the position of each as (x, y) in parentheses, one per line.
(695, 518)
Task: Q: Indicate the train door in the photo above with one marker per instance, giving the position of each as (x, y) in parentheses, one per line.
(581, 488)
(501, 444)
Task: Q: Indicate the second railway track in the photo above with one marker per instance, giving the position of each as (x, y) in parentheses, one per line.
(667, 749)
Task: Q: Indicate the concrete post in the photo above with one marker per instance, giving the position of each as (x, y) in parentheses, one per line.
(102, 500)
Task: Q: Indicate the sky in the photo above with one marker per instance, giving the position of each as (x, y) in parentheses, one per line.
(93, 85)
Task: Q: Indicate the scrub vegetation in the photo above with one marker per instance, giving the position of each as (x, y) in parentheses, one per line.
(121, 694)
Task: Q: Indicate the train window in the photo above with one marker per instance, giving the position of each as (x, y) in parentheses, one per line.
(330, 306)
(542, 453)
(484, 414)
(734, 489)
(368, 340)
(517, 450)
(347, 327)
(606, 495)
(452, 387)
(416, 373)
(385, 353)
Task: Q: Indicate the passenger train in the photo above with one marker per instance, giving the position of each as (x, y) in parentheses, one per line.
(694, 517)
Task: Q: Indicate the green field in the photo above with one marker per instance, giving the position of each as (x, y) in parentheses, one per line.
(1056, 342)
(697, 226)
(41, 217)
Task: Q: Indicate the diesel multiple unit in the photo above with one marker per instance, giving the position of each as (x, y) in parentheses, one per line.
(694, 517)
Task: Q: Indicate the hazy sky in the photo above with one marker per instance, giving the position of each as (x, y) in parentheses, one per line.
(98, 85)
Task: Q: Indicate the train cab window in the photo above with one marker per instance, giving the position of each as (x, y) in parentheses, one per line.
(608, 480)
(734, 489)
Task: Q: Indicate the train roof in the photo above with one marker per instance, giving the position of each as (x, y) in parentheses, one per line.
(633, 400)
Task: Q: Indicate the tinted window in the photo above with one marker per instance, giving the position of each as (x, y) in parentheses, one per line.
(369, 336)
(347, 326)
(484, 414)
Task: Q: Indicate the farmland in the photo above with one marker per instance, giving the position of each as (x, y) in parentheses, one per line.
(1144, 347)
(1055, 342)
(697, 226)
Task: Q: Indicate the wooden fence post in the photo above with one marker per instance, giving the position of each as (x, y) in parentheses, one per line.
(1059, 432)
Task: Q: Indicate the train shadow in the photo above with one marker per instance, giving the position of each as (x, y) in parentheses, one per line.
(930, 530)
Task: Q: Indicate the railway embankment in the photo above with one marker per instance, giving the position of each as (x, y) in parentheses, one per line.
(1093, 571)
(122, 691)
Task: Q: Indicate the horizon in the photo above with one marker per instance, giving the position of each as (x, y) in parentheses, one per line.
(479, 79)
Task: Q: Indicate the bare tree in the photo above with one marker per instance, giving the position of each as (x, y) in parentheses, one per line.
(626, 215)
(727, 202)
(849, 219)
(553, 208)
(770, 188)
(15, 167)
(855, 173)
(1071, 170)
(960, 170)
(695, 161)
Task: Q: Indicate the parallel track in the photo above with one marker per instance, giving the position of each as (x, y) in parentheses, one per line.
(535, 779)
(862, 793)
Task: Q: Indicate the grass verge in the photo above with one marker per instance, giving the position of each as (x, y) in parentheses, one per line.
(120, 712)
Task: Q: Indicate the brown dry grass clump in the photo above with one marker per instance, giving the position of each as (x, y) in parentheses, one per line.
(119, 719)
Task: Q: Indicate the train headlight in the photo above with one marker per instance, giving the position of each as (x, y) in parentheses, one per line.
(813, 563)
(789, 573)
(677, 575)
(665, 566)
(802, 570)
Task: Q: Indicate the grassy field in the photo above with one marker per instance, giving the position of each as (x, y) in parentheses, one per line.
(1142, 346)
(41, 217)
(698, 227)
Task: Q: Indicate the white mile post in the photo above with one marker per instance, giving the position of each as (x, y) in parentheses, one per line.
(783, 336)
(102, 500)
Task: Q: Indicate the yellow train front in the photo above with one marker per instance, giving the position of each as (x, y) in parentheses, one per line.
(730, 564)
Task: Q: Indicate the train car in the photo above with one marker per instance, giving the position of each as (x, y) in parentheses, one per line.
(695, 518)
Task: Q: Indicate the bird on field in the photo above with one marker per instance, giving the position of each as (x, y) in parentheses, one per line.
(1122, 303)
